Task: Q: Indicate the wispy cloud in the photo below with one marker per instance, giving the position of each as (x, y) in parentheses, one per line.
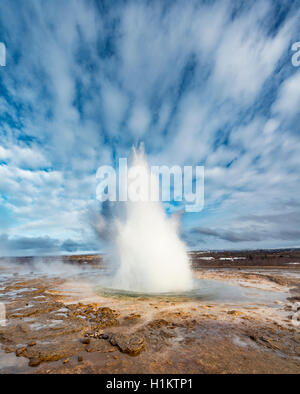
(200, 82)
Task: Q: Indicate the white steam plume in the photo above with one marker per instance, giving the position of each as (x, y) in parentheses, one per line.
(147, 252)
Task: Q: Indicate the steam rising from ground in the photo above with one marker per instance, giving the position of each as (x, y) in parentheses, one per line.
(43, 266)
(147, 252)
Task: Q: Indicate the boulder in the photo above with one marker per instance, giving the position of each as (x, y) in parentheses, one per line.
(130, 344)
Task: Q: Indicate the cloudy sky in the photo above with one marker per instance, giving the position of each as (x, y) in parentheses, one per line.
(201, 83)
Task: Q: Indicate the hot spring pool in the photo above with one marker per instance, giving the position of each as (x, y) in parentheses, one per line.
(204, 290)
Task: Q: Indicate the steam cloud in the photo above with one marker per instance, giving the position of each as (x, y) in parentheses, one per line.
(146, 251)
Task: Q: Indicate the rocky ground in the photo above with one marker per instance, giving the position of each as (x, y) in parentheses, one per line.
(60, 325)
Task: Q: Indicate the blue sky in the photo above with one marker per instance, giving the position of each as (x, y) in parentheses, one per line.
(207, 83)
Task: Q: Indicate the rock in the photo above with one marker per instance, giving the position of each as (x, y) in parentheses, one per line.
(9, 349)
(32, 343)
(20, 351)
(80, 359)
(52, 352)
(133, 317)
(71, 307)
(234, 313)
(99, 345)
(130, 344)
(66, 361)
(34, 362)
(85, 341)
(103, 336)
(269, 343)
(94, 334)
(105, 317)
(159, 323)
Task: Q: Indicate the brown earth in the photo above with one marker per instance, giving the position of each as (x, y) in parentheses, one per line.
(52, 329)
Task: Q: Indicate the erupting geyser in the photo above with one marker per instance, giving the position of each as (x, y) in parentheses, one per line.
(148, 253)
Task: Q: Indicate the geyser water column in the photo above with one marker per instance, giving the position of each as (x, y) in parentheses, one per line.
(147, 250)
